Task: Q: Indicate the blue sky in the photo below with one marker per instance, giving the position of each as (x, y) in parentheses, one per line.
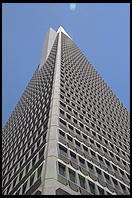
(101, 31)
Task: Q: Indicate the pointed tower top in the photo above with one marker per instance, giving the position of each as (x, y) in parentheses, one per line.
(61, 29)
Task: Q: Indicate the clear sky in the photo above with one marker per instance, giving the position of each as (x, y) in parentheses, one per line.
(101, 31)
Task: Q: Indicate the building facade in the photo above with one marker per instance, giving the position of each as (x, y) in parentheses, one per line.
(69, 133)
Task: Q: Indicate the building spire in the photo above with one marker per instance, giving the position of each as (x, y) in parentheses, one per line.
(61, 29)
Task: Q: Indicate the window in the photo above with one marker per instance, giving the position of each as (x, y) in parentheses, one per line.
(75, 113)
(106, 142)
(27, 168)
(32, 179)
(87, 129)
(38, 142)
(100, 138)
(61, 169)
(61, 134)
(101, 191)
(91, 141)
(82, 181)
(112, 146)
(122, 172)
(41, 153)
(14, 182)
(93, 133)
(92, 154)
(24, 187)
(62, 104)
(98, 171)
(70, 127)
(107, 178)
(39, 171)
(111, 154)
(21, 174)
(62, 150)
(72, 175)
(92, 187)
(15, 169)
(100, 159)
(84, 137)
(70, 139)
(92, 124)
(77, 144)
(123, 188)
(69, 109)
(82, 162)
(78, 132)
(107, 163)
(62, 112)
(34, 160)
(98, 145)
(68, 116)
(90, 167)
(115, 182)
(85, 148)
(122, 161)
(62, 122)
(73, 156)
(8, 189)
(87, 120)
(74, 120)
(81, 125)
(114, 167)
(32, 150)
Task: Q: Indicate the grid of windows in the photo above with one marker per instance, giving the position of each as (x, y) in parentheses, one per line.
(24, 135)
(93, 134)
(95, 125)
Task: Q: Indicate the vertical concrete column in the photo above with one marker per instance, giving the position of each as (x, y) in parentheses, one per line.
(50, 170)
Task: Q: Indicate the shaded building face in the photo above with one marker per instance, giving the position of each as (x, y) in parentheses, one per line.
(69, 133)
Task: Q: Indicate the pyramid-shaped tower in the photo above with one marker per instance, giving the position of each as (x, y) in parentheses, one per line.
(69, 133)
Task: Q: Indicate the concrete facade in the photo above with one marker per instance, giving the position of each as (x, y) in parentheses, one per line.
(69, 133)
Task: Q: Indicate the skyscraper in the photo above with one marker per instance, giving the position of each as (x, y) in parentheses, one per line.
(69, 133)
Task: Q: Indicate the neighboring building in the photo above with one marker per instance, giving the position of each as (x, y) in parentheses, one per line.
(69, 134)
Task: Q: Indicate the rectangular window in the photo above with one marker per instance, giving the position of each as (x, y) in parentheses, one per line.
(61, 134)
(70, 127)
(82, 181)
(32, 179)
(62, 122)
(92, 187)
(41, 153)
(81, 125)
(74, 120)
(68, 116)
(62, 112)
(100, 159)
(82, 162)
(39, 171)
(61, 169)
(70, 139)
(123, 188)
(77, 132)
(101, 191)
(90, 167)
(115, 182)
(92, 154)
(73, 156)
(72, 175)
(85, 148)
(107, 178)
(77, 144)
(62, 150)
(98, 171)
